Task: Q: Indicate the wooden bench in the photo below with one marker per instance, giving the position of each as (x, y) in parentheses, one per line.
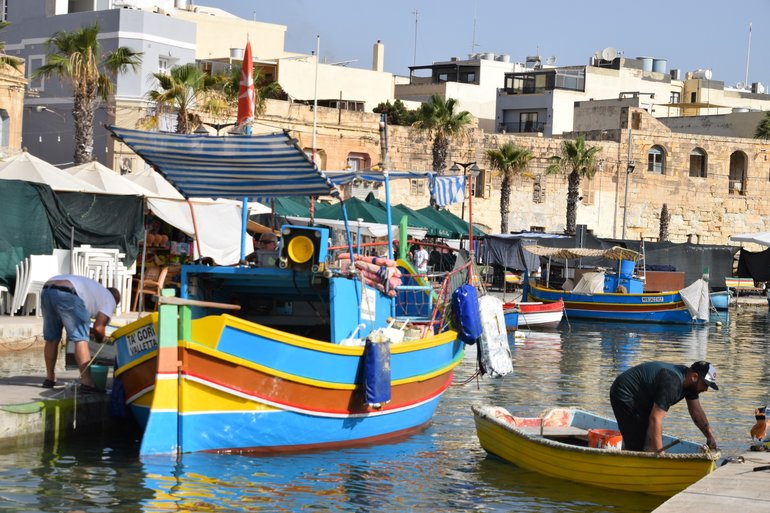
(556, 431)
(745, 285)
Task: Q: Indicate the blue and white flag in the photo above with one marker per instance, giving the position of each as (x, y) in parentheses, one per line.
(446, 190)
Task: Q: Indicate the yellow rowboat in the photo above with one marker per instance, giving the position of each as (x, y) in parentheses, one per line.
(556, 444)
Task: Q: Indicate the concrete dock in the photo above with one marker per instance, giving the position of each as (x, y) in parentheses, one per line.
(733, 486)
(29, 412)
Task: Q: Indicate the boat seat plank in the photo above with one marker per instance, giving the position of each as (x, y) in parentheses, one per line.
(555, 431)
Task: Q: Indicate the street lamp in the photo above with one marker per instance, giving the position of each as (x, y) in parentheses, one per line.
(474, 173)
(43, 108)
(629, 169)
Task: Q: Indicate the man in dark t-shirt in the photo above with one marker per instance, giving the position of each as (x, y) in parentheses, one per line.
(642, 395)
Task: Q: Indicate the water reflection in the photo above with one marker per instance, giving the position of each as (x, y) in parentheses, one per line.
(441, 469)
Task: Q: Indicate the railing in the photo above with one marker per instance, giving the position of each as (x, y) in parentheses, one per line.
(528, 126)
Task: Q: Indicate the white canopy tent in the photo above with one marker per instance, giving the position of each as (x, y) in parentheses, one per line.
(107, 180)
(28, 168)
(761, 238)
(218, 224)
(158, 186)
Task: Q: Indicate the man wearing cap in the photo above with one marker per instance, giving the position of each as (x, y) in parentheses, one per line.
(642, 395)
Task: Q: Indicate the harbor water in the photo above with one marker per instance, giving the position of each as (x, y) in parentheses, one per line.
(441, 469)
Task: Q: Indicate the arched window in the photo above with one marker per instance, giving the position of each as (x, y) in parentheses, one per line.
(698, 163)
(656, 160)
(738, 163)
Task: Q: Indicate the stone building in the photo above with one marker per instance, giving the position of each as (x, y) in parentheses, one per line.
(713, 186)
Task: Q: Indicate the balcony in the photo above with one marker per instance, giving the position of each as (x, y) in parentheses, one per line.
(529, 126)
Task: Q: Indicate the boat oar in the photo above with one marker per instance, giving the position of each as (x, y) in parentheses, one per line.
(669, 445)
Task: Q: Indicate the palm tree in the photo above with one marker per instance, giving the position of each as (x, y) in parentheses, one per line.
(263, 88)
(510, 161)
(182, 89)
(579, 161)
(438, 119)
(763, 128)
(77, 57)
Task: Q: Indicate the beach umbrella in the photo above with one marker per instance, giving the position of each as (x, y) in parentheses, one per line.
(29, 168)
(158, 186)
(106, 180)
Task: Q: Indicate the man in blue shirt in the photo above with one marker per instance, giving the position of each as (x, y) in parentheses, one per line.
(642, 395)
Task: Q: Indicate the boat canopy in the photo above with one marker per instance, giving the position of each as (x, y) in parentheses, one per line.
(257, 166)
(613, 253)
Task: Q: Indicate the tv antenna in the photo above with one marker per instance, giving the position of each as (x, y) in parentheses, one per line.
(748, 54)
(473, 41)
(416, 17)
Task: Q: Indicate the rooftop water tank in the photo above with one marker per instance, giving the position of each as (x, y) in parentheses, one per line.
(702, 74)
(182, 4)
(490, 56)
(504, 57)
(236, 53)
(659, 65)
(646, 63)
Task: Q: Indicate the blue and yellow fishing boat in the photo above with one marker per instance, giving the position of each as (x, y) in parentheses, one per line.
(618, 294)
(296, 356)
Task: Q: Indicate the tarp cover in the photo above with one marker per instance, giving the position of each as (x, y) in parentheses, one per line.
(24, 230)
(218, 225)
(36, 220)
(101, 220)
(259, 166)
(754, 265)
(508, 251)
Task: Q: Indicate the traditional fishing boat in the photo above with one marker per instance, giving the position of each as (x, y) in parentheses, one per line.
(576, 445)
(533, 315)
(618, 295)
(302, 355)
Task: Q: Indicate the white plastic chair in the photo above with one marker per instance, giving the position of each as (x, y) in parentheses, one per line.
(41, 269)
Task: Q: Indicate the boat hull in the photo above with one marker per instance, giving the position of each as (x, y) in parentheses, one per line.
(663, 307)
(507, 437)
(536, 315)
(720, 300)
(244, 387)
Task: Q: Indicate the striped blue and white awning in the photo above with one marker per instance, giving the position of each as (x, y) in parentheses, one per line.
(229, 167)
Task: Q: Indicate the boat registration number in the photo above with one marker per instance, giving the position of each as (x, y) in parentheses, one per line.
(655, 299)
(142, 339)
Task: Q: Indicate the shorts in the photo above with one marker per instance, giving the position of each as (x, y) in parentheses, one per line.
(64, 310)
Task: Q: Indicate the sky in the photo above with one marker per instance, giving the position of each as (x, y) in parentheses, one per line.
(705, 34)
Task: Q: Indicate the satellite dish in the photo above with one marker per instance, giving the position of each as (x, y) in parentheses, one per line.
(740, 85)
(609, 54)
(551, 60)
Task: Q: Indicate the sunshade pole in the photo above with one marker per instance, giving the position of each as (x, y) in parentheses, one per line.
(470, 230)
(245, 221)
(388, 217)
(352, 256)
(195, 229)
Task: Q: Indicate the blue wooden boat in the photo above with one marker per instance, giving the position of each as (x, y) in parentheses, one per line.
(618, 295)
(720, 299)
(298, 356)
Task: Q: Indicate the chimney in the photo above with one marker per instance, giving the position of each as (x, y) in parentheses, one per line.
(378, 57)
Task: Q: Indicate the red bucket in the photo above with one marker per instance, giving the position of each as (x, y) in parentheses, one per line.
(605, 439)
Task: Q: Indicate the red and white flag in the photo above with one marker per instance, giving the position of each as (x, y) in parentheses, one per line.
(246, 88)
